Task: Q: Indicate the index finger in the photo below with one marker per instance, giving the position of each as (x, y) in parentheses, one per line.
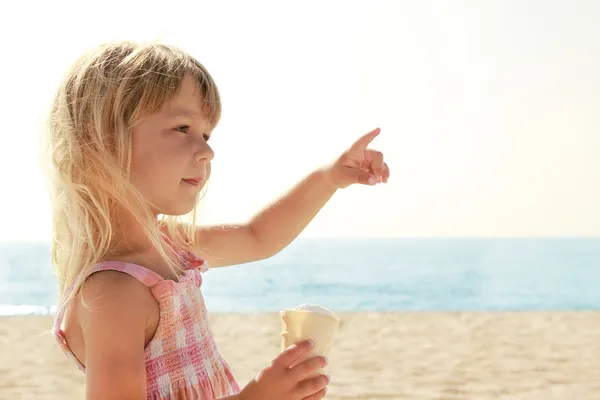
(364, 141)
(293, 353)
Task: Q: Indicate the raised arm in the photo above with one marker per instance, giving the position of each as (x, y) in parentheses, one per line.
(278, 224)
(271, 230)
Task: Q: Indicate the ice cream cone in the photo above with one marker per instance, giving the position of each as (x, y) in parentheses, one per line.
(309, 322)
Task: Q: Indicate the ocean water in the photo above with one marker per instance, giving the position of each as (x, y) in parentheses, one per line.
(366, 275)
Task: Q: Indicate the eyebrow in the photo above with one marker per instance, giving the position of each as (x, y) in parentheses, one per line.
(186, 112)
(178, 112)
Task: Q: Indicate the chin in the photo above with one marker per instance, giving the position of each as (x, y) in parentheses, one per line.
(179, 209)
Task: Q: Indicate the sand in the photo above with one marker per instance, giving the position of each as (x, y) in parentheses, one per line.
(417, 356)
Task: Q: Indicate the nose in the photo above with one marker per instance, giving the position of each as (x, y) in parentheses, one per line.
(204, 152)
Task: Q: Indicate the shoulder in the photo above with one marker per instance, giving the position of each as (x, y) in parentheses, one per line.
(112, 286)
(114, 296)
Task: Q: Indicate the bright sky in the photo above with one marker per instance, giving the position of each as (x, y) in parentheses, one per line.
(490, 110)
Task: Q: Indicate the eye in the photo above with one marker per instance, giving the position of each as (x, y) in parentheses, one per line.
(183, 128)
(206, 137)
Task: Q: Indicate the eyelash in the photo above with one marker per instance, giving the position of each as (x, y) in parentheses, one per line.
(186, 127)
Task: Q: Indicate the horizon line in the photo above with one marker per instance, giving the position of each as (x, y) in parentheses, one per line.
(339, 237)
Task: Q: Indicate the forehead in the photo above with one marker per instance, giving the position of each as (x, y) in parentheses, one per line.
(187, 102)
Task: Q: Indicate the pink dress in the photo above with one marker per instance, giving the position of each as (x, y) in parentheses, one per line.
(182, 359)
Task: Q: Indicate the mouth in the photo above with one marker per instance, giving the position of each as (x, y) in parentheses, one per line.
(196, 181)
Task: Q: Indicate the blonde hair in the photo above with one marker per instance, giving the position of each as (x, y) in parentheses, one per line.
(102, 96)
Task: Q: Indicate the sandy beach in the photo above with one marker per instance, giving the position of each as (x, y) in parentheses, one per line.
(417, 356)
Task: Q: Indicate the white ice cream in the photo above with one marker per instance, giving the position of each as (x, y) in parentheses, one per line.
(315, 308)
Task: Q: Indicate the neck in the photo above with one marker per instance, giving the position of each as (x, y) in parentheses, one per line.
(129, 237)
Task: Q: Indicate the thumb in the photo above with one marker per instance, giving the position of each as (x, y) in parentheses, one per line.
(364, 177)
(292, 353)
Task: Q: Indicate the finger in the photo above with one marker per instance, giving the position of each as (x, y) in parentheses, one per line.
(312, 386)
(376, 160)
(307, 368)
(361, 176)
(294, 352)
(363, 142)
(386, 173)
(317, 396)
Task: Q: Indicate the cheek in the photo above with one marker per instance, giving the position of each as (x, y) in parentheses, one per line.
(143, 163)
(153, 168)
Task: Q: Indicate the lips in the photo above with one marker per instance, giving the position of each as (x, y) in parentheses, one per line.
(193, 181)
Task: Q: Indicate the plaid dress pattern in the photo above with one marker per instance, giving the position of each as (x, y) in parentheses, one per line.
(182, 360)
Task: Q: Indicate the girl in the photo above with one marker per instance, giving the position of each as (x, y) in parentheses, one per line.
(128, 138)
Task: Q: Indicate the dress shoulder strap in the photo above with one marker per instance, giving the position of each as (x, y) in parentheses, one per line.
(144, 275)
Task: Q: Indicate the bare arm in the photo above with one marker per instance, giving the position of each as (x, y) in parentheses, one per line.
(271, 230)
(113, 319)
(281, 222)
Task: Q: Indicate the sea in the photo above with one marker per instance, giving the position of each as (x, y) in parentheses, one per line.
(521, 274)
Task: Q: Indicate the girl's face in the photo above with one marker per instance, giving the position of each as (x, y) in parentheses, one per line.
(170, 154)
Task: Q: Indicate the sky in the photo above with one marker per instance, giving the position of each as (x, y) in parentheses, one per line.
(489, 110)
